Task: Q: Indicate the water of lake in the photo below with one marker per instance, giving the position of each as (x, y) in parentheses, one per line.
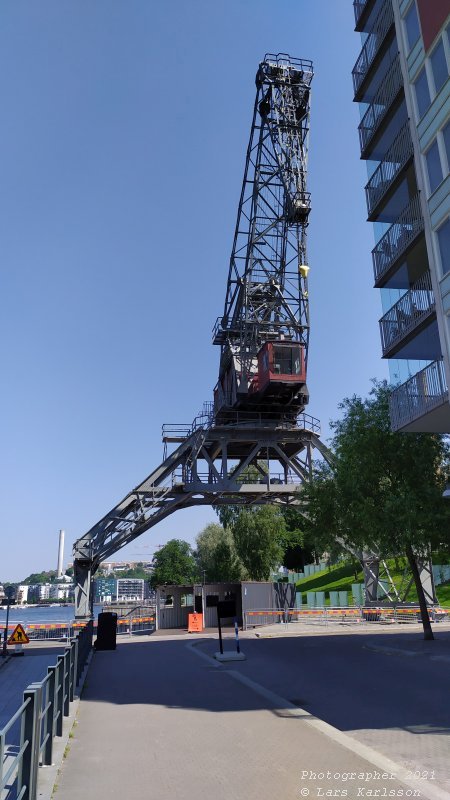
(29, 616)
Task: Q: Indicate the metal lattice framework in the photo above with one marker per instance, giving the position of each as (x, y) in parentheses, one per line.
(267, 290)
(266, 300)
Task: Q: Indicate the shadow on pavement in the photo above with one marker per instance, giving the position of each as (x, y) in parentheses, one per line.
(340, 679)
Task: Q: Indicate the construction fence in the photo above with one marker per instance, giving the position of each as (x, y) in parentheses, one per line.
(351, 615)
(60, 631)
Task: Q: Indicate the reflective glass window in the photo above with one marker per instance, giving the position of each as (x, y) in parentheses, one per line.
(422, 93)
(286, 360)
(439, 66)
(443, 235)
(434, 168)
(446, 135)
(412, 26)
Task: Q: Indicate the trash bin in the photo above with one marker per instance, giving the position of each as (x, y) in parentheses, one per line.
(106, 631)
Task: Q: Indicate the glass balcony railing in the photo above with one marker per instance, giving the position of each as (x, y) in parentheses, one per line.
(375, 39)
(397, 238)
(421, 394)
(398, 155)
(412, 309)
(358, 8)
(380, 105)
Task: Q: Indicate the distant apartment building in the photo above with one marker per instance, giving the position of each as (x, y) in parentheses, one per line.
(38, 592)
(105, 590)
(131, 589)
(401, 81)
(22, 594)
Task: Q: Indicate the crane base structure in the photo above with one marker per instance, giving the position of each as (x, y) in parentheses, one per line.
(250, 460)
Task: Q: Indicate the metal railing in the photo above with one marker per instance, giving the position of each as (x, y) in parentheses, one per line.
(398, 155)
(381, 27)
(397, 238)
(417, 396)
(408, 312)
(40, 717)
(349, 615)
(390, 86)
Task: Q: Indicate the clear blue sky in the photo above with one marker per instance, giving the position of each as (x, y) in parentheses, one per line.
(122, 144)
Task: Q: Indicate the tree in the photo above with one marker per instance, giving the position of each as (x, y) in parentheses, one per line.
(258, 535)
(216, 555)
(41, 577)
(386, 491)
(174, 564)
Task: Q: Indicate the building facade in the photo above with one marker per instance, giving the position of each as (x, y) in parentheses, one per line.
(105, 590)
(131, 589)
(401, 81)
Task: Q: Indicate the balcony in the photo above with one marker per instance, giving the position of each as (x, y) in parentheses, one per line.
(409, 315)
(421, 404)
(382, 25)
(360, 7)
(385, 176)
(383, 101)
(397, 240)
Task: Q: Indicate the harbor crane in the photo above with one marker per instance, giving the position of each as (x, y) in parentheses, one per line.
(253, 443)
(257, 416)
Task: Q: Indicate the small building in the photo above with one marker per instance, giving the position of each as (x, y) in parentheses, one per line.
(175, 603)
(22, 594)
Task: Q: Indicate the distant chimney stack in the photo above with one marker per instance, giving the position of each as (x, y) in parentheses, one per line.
(60, 554)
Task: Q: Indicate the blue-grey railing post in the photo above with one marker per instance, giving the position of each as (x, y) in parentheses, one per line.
(66, 682)
(71, 671)
(49, 725)
(75, 644)
(59, 692)
(27, 777)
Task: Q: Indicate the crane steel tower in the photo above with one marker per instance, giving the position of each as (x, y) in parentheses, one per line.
(257, 418)
(264, 330)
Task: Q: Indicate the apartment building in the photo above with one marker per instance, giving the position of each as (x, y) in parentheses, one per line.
(401, 82)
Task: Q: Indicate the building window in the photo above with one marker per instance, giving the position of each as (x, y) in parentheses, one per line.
(439, 66)
(412, 26)
(443, 235)
(422, 93)
(167, 601)
(434, 168)
(446, 136)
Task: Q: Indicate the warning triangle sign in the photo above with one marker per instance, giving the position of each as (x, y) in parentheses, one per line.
(18, 636)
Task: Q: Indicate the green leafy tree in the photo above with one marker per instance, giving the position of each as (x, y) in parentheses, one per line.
(386, 491)
(41, 577)
(174, 564)
(259, 535)
(216, 554)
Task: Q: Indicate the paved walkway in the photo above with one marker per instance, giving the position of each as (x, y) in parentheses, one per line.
(159, 719)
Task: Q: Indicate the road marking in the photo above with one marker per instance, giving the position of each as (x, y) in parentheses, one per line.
(285, 708)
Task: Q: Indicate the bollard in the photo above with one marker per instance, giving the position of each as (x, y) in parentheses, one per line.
(236, 635)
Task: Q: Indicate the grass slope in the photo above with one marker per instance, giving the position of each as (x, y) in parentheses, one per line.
(341, 577)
